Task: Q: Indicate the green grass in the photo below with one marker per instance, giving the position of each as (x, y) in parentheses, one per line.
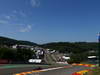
(8, 66)
(20, 65)
(96, 71)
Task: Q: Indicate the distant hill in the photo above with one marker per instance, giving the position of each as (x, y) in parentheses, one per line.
(21, 42)
(8, 41)
(68, 46)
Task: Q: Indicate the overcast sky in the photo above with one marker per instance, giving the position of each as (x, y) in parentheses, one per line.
(43, 21)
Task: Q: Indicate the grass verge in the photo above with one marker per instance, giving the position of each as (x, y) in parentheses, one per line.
(95, 71)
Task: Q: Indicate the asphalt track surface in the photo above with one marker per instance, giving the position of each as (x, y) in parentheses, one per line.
(62, 71)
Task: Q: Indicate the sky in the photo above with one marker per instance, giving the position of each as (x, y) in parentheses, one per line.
(43, 21)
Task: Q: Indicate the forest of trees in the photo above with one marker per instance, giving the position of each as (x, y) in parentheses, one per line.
(71, 47)
(78, 50)
(21, 55)
(7, 53)
(10, 42)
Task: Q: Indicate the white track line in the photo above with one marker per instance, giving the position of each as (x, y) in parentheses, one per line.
(51, 69)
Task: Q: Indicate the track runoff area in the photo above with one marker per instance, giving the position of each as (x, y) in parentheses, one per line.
(77, 72)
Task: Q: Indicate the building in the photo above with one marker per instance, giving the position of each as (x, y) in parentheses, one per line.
(23, 47)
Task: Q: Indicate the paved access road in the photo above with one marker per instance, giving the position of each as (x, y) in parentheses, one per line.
(62, 71)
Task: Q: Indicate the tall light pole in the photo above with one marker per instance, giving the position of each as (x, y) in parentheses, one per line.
(99, 48)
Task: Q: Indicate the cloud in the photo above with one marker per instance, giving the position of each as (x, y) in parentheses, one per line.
(8, 17)
(22, 14)
(3, 22)
(26, 29)
(15, 11)
(35, 3)
(5, 16)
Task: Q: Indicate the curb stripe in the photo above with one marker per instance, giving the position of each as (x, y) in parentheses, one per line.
(83, 72)
(86, 65)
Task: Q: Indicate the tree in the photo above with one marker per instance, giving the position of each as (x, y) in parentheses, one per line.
(78, 57)
(24, 54)
(7, 53)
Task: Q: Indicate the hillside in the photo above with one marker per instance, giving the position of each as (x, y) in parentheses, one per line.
(60, 46)
(8, 41)
(67, 46)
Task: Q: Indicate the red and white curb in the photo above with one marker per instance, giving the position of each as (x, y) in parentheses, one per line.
(86, 65)
(83, 72)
